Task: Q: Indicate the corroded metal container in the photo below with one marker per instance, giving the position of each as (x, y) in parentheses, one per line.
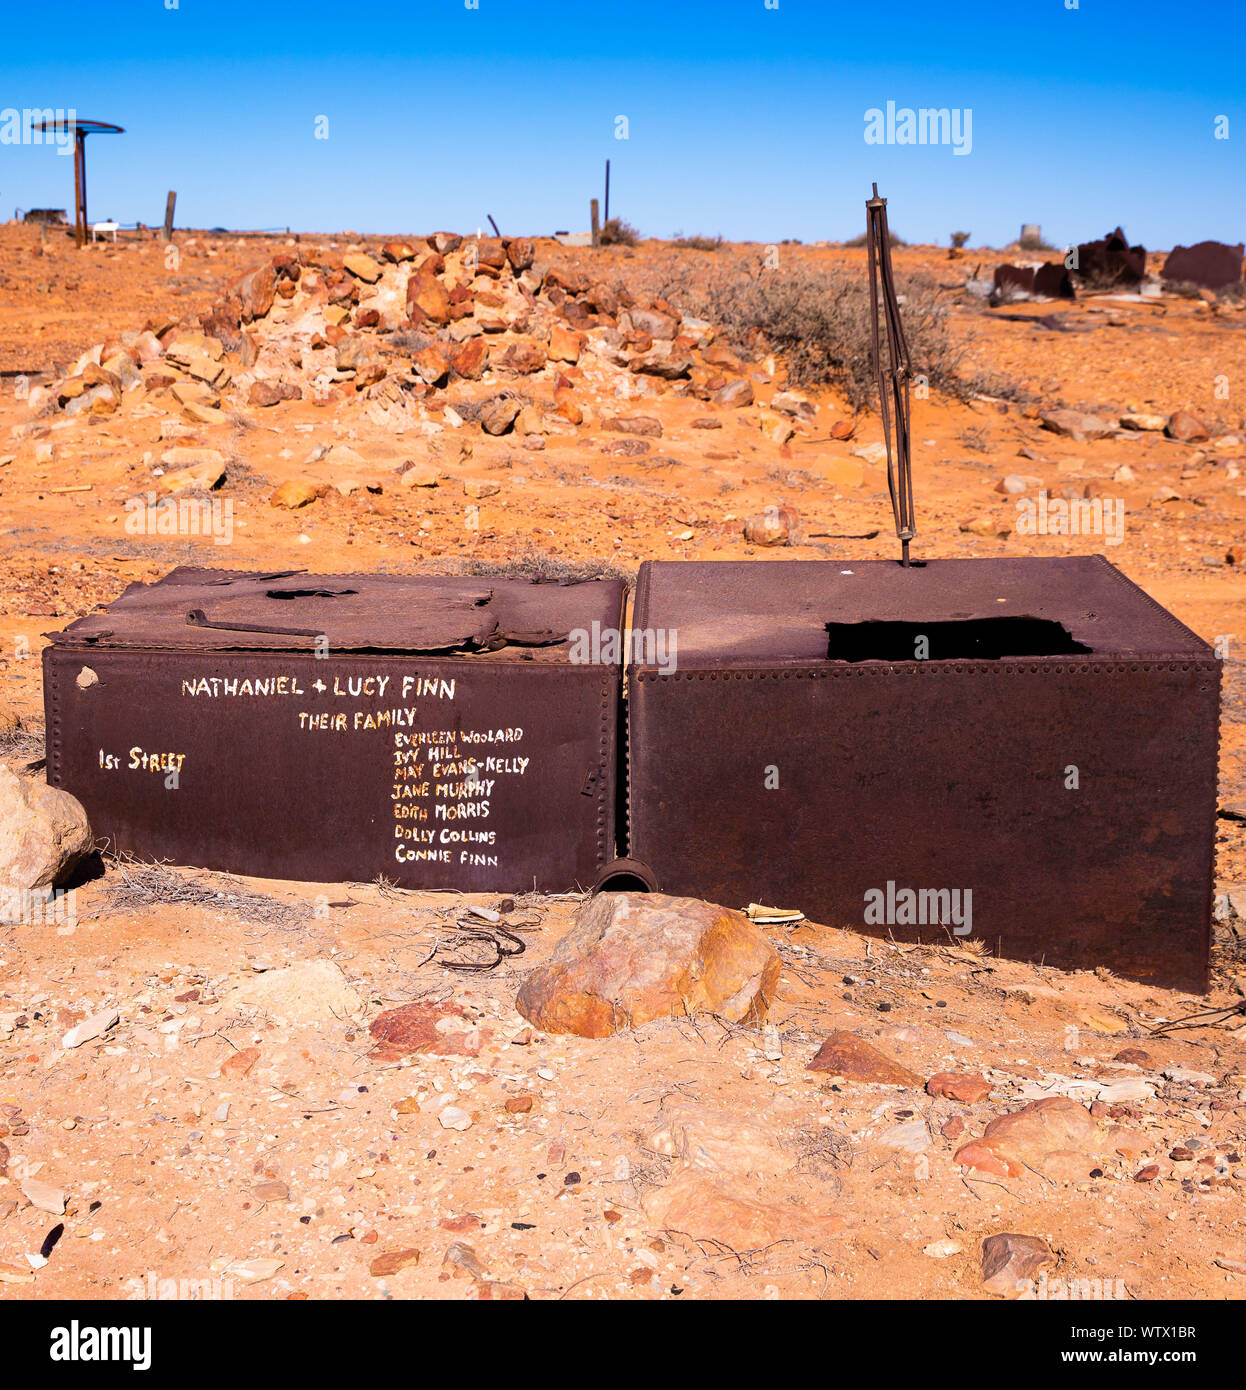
(433, 730)
(1019, 750)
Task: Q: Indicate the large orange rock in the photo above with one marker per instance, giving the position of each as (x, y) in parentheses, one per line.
(520, 252)
(522, 358)
(430, 364)
(490, 254)
(565, 345)
(633, 957)
(295, 493)
(256, 291)
(362, 267)
(566, 405)
(1056, 1137)
(845, 1054)
(961, 1086)
(44, 832)
(735, 394)
(439, 1030)
(1186, 427)
(428, 301)
(470, 358)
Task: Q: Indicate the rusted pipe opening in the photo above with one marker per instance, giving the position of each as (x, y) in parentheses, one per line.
(625, 876)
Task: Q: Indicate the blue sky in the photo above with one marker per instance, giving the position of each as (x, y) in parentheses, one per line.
(741, 119)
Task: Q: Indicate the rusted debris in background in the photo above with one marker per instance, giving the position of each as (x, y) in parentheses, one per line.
(1209, 264)
(1012, 282)
(1050, 281)
(1053, 281)
(1111, 261)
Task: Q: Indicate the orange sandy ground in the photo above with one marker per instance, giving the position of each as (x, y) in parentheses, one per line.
(160, 1190)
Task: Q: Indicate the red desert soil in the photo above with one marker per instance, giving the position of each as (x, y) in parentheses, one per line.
(268, 1146)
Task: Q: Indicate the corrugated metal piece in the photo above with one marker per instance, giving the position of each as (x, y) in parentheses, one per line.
(340, 727)
(1072, 795)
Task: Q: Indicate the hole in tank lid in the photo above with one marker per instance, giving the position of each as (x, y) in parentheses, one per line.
(969, 639)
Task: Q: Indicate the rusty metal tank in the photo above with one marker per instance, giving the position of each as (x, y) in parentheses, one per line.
(862, 741)
(434, 730)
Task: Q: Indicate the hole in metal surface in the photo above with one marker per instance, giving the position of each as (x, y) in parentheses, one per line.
(310, 593)
(976, 639)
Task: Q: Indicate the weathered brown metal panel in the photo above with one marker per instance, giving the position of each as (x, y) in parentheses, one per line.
(1212, 264)
(934, 774)
(275, 761)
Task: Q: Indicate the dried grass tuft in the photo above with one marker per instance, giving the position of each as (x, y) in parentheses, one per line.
(141, 884)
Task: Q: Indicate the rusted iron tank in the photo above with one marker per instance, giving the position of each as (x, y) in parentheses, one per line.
(434, 730)
(1022, 751)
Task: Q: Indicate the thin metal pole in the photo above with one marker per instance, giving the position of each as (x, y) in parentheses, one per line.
(607, 216)
(86, 220)
(79, 187)
(892, 380)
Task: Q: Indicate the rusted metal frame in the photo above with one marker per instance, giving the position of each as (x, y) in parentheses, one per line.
(892, 382)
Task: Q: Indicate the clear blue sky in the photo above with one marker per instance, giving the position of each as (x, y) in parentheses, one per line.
(742, 119)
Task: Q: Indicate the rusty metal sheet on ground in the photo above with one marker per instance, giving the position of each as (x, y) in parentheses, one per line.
(203, 608)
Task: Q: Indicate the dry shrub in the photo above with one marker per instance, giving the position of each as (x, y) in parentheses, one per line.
(20, 740)
(616, 232)
(141, 884)
(861, 241)
(819, 320)
(697, 243)
(531, 562)
(411, 340)
(976, 437)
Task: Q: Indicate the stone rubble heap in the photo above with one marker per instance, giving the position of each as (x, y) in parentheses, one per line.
(467, 334)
